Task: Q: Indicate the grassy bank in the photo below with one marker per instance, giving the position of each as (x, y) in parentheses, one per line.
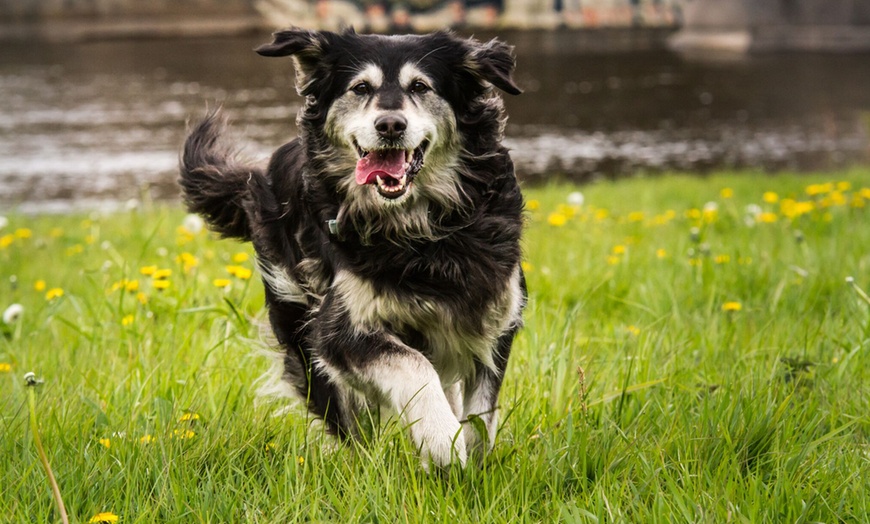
(685, 359)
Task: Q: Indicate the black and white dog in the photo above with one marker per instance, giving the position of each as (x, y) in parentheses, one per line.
(387, 233)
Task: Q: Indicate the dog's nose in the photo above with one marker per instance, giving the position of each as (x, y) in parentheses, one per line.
(391, 126)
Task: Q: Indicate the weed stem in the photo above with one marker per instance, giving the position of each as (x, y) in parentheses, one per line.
(31, 381)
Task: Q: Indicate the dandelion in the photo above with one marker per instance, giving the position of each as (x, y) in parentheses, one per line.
(240, 257)
(767, 218)
(533, 205)
(661, 253)
(161, 274)
(142, 298)
(3, 222)
(601, 214)
(146, 439)
(183, 433)
(635, 216)
(53, 293)
(105, 517)
(74, 250)
(23, 232)
(39, 286)
(90, 239)
(770, 197)
(189, 417)
(575, 198)
(726, 192)
(6, 241)
(239, 272)
(187, 261)
(753, 210)
(161, 284)
(270, 446)
(222, 282)
(300, 460)
(633, 330)
(13, 314)
(55, 232)
(619, 250)
(557, 219)
(527, 266)
(127, 320)
(722, 259)
(148, 270)
(732, 306)
(106, 443)
(844, 186)
(613, 260)
(819, 189)
(5, 367)
(193, 224)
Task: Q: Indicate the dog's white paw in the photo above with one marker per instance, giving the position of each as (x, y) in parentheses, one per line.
(441, 443)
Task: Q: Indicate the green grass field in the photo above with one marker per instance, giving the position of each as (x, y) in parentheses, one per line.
(685, 359)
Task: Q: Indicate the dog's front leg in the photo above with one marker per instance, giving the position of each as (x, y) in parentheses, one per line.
(384, 368)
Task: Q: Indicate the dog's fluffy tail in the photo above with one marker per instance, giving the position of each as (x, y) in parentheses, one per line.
(214, 181)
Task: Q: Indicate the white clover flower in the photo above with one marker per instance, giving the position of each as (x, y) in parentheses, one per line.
(193, 223)
(3, 222)
(13, 314)
(576, 198)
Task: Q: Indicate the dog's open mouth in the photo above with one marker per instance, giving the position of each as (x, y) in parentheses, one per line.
(391, 170)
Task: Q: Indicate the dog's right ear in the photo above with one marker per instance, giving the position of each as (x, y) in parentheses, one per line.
(306, 47)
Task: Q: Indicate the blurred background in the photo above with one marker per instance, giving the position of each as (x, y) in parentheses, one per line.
(95, 95)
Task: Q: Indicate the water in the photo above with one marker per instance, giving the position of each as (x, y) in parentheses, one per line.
(98, 124)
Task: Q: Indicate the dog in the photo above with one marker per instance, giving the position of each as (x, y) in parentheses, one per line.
(387, 233)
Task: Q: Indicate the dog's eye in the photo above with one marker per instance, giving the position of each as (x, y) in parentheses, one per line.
(362, 88)
(418, 87)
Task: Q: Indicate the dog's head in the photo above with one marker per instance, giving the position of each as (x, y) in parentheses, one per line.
(383, 116)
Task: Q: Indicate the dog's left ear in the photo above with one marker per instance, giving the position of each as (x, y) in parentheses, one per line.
(306, 47)
(494, 62)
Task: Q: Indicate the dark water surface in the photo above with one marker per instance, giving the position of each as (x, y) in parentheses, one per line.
(96, 124)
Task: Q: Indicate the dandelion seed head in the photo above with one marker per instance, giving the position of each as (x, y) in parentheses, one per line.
(576, 198)
(3, 222)
(12, 314)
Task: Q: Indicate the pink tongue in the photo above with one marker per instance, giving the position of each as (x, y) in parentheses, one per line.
(385, 162)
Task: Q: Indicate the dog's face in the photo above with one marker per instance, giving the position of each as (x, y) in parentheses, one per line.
(383, 114)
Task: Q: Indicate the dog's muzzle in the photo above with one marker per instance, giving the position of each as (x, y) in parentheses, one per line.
(392, 170)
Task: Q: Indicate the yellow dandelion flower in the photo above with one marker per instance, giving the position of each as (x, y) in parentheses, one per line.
(695, 262)
(533, 205)
(106, 443)
(661, 253)
(770, 197)
(39, 286)
(90, 239)
(142, 298)
(131, 285)
(239, 272)
(634, 330)
(161, 274)
(726, 192)
(300, 460)
(270, 446)
(722, 259)
(635, 216)
(222, 282)
(5, 367)
(557, 219)
(527, 267)
(74, 250)
(23, 232)
(187, 261)
(183, 433)
(146, 439)
(857, 202)
(105, 517)
(619, 250)
(127, 320)
(601, 214)
(819, 189)
(53, 293)
(732, 306)
(844, 186)
(148, 270)
(613, 260)
(240, 257)
(6, 241)
(767, 217)
(55, 232)
(189, 417)
(161, 284)
(865, 193)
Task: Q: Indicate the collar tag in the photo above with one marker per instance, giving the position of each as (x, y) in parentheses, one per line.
(333, 227)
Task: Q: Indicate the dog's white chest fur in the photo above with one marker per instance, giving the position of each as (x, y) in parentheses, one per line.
(452, 347)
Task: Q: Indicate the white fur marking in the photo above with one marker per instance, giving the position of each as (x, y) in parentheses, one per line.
(282, 284)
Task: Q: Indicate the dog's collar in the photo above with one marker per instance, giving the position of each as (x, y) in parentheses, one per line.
(332, 226)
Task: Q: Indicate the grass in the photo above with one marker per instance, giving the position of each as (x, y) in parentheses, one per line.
(677, 365)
